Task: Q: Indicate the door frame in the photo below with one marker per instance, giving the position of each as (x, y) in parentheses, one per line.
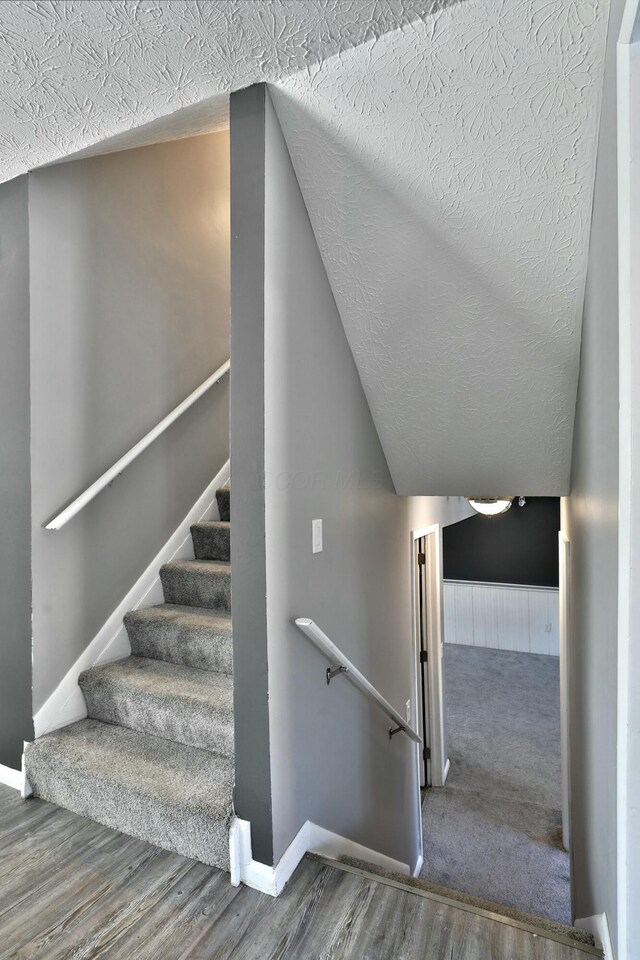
(628, 680)
(439, 761)
(564, 603)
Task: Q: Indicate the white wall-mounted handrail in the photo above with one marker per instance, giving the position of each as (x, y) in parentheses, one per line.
(109, 475)
(344, 665)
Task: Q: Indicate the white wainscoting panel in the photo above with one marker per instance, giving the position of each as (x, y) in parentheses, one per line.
(503, 616)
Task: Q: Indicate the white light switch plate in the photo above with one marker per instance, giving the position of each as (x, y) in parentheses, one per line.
(316, 536)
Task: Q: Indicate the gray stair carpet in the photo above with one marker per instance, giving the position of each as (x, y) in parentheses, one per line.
(197, 583)
(155, 758)
(223, 496)
(212, 540)
(167, 700)
(178, 798)
(193, 636)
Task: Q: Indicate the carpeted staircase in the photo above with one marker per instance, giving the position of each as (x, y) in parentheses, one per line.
(155, 756)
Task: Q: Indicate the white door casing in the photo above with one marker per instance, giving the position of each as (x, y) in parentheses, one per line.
(439, 765)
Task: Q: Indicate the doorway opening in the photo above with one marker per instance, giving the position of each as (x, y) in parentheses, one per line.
(490, 667)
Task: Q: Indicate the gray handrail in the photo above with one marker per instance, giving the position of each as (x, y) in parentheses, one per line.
(345, 666)
(109, 475)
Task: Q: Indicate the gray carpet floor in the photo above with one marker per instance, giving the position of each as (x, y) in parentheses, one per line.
(495, 829)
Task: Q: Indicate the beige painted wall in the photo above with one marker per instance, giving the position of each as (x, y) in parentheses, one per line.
(129, 313)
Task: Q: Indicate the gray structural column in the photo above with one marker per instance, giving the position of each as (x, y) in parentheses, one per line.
(248, 558)
(15, 499)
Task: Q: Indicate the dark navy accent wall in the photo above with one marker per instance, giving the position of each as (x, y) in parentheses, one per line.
(521, 546)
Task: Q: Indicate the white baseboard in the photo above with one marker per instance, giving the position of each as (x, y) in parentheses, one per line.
(598, 925)
(333, 846)
(11, 778)
(66, 704)
(310, 839)
(17, 779)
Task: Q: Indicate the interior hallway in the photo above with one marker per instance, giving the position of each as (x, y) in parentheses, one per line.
(72, 888)
(495, 830)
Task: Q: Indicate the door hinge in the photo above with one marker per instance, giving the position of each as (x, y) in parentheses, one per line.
(427, 753)
(424, 656)
(422, 559)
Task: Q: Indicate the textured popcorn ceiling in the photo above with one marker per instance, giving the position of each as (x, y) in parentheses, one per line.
(75, 72)
(446, 151)
(448, 171)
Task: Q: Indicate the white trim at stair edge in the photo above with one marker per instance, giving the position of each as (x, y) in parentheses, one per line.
(598, 925)
(10, 777)
(310, 839)
(66, 704)
(16, 779)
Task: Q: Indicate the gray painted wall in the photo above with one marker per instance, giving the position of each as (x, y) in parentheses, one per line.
(331, 760)
(15, 575)
(249, 610)
(129, 313)
(590, 520)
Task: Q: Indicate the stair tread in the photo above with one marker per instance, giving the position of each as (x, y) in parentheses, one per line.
(207, 617)
(212, 524)
(199, 566)
(180, 703)
(157, 676)
(176, 796)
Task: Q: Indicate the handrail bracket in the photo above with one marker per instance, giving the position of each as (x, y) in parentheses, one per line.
(335, 672)
(335, 656)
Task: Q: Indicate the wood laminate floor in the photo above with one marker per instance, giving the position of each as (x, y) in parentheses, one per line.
(72, 889)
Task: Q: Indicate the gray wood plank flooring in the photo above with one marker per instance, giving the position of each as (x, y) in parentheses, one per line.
(73, 890)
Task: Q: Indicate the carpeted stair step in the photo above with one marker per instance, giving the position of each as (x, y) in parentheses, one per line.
(223, 496)
(166, 700)
(418, 884)
(212, 540)
(171, 795)
(192, 636)
(197, 583)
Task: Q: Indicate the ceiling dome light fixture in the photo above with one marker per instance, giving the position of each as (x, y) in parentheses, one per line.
(490, 506)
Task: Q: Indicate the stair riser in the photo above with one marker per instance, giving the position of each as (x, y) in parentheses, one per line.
(167, 715)
(213, 543)
(181, 831)
(197, 589)
(189, 646)
(223, 496)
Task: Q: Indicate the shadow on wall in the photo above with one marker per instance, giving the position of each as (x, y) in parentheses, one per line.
(450, 252)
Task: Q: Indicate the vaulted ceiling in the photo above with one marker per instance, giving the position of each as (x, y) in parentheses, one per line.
(446, 152)
(77, 72)
(448, 171)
